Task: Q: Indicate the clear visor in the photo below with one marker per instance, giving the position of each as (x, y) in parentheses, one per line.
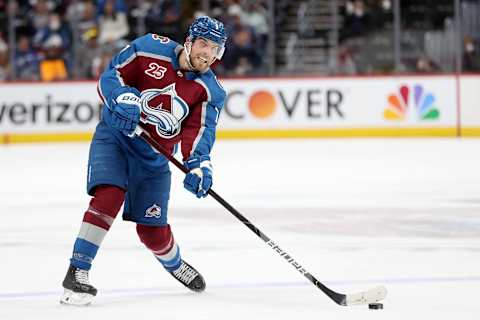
(217, 49)
(220, 51)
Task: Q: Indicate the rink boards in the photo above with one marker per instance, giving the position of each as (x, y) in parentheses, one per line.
(380, 106)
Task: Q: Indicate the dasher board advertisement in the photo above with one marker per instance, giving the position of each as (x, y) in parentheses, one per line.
(47, 108)
(340, 102)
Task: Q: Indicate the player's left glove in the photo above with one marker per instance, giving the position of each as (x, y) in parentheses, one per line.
(199, 179)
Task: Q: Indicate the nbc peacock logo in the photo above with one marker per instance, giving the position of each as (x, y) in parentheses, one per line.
(399, 104)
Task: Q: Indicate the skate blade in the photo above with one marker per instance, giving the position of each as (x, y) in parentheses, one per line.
(76, 298)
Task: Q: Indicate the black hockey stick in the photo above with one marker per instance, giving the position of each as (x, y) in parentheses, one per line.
(365, 297)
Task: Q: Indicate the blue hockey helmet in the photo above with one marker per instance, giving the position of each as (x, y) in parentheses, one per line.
(211, 29)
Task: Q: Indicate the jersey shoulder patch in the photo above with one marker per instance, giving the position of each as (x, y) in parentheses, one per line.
(156, 45)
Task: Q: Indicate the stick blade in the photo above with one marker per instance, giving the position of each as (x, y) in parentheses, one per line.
(365, 297)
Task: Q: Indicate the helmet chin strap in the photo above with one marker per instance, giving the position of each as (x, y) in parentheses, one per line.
(188, 50)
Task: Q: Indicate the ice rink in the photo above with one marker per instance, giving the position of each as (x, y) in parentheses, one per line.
(356, 213)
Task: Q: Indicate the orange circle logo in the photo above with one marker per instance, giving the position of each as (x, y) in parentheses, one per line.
(262, 104)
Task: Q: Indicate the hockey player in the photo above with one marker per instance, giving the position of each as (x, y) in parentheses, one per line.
(172, 91)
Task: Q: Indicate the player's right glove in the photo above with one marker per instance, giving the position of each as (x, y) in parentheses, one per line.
(199, 179)
(124, 106)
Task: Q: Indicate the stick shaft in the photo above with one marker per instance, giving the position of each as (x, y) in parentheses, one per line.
(337, 297)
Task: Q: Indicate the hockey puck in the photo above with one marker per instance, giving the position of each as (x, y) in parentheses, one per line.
(375, 306)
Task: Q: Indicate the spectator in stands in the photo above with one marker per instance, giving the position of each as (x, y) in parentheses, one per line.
(425, 64)
(39, 16)
(83, 14)
(4, 65)
(230, 13)
(112, 24)
(233, 7)
(241, 57)
(471, 59)
(55, 26)
(357, 20)
(255, 16)
(26, 60)
(53, 66)
(165, 18)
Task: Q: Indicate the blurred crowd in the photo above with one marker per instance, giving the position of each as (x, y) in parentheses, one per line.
(247, 26)
(75, 39)
(427, 40)
(58, 40)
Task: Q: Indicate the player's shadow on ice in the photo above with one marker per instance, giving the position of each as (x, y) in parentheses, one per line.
(164, 296)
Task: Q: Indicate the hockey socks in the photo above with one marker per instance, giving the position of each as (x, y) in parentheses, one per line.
(160, 241)
(162, 244)
(97, 220)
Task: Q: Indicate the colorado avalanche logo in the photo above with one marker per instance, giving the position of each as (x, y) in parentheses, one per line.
(164, 109)
(153, 212)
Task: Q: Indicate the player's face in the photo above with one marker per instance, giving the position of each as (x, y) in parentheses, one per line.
(203, 53)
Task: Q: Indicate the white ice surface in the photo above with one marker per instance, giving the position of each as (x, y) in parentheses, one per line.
(355, 213)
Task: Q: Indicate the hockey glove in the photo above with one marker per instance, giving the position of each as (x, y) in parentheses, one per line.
(124, 106)
(199, 179)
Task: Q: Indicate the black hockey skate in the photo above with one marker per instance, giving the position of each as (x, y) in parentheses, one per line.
(78, 291)
(189, 277)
